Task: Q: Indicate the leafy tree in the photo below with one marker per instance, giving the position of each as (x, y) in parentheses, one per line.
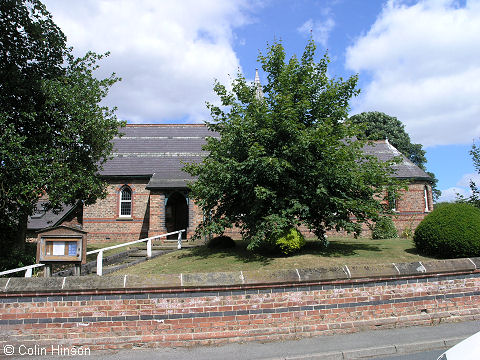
(54, 134)
(380, 126)
(474, 198)
(287, 158)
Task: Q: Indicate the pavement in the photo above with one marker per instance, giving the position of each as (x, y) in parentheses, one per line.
(360, 345)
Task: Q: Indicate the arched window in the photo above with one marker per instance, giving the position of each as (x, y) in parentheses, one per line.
(425, 197)
(126, 202)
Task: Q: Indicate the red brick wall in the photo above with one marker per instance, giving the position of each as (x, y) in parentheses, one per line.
(102, 221)
(103, 224)
(184, 317)
(411, 206)
(410, 209)
(157, 214)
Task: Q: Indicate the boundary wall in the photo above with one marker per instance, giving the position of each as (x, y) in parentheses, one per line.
(114, 312)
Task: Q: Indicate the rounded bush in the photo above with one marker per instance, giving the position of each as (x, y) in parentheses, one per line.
(450, 231)
(290, 241)
(384, 228)
(221, 242)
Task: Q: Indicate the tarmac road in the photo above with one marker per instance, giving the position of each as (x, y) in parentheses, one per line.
(424, 355)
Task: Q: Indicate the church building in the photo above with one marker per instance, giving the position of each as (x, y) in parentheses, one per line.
(148, 193)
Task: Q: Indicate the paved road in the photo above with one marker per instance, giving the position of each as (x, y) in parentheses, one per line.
(424, 355)
(380, 343)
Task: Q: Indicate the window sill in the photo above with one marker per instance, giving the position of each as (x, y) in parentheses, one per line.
(124, 218)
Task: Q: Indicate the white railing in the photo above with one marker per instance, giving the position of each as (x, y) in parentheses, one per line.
(27, 269)
(149, 248)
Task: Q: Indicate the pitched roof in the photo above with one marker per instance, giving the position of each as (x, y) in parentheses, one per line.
(406, 169)
(47, 218)
(145, 150)
(159, 152)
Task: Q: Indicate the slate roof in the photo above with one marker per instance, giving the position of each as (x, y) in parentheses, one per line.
(42, 219)
(384, 151)
(158, 152)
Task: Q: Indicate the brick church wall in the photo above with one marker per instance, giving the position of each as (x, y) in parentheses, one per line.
(103, 223)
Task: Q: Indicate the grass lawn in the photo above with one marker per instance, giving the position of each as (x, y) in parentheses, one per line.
(340, 251)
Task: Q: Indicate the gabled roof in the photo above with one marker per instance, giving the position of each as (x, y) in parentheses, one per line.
(385, 151)
(47, 218)
(159, 152)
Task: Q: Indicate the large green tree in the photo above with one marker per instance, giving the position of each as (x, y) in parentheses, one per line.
(54, 133)
(380, 126)
(287, 158)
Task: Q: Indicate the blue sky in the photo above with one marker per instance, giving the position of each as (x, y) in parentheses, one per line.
(418, 60)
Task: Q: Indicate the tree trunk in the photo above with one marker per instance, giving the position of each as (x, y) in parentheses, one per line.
(21, 234)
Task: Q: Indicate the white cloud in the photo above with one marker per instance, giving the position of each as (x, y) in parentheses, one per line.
(320, 29)
(424, 65)
(465, 180)
(168, 53)
(451, 194)
(462, 188)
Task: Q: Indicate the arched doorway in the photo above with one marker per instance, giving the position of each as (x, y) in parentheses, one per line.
(176, 214)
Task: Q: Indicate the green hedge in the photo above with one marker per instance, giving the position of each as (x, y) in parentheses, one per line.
(450, 231)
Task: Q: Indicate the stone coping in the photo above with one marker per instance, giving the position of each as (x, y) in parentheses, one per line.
(242, 279)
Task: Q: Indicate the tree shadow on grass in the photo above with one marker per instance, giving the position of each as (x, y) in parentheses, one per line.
(338, 249)
(414, 251)
(240, 252)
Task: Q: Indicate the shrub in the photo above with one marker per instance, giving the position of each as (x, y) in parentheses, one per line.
(407, 233)
(221, 242)
(384, 228)
(451, 230)
(289, 241)
(15, 258)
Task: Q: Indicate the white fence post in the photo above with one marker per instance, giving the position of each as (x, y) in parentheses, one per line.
(149, 248)
(100, 263)
(179, 246)
(28, 272)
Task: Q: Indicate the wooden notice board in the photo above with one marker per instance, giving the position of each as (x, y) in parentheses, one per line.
(61, 244)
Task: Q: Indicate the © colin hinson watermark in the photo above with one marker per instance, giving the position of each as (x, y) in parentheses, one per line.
(54, 350)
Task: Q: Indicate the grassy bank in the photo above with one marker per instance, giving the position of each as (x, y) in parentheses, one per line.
(340, 251)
